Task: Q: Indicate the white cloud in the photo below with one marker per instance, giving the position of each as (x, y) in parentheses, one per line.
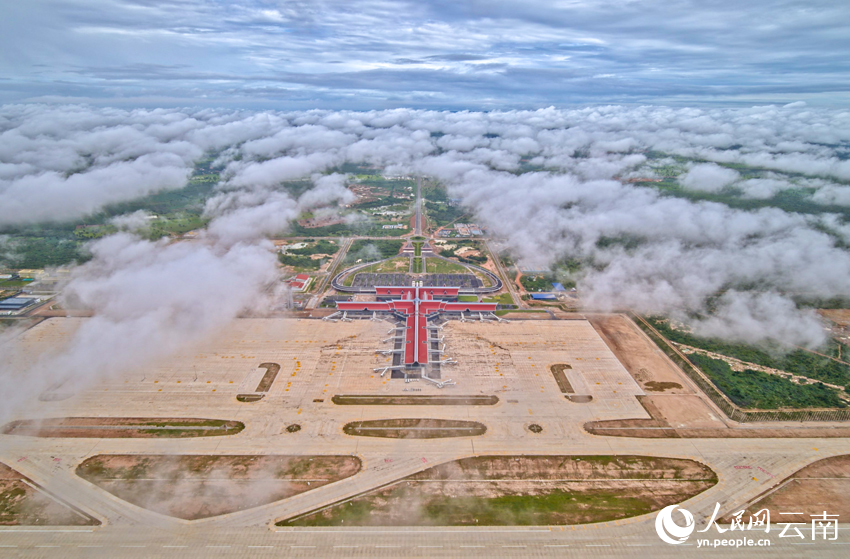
(708, 177)
(641, 249)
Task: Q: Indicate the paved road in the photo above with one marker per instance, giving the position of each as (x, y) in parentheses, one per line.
(418, 230)
(332, 269)
(509, 283)
(383, 542)
(745, 467)
(128, 525)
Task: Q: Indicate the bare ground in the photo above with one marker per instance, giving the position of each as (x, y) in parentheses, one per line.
(661, 427)
(676, 410)
(821, 486)
(522, 490)
(197, 486)
(23, 504)
(645, 362)
(838, 316)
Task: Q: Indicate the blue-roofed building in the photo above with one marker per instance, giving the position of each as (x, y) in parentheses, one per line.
(16, 303)
(543, 296)
(559, 287)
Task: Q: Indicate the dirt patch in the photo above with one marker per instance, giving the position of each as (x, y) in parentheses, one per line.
(24, 503)
(821, 486)
(561, 377)
(684, 411)
(326, 221)
(522, 490)
(413, 428)
(639, 355)
(838, 316)
(199, 486)
(528, 315)
(655, 386)
(122, 427)
(580, 398)
(271, 373)
(368, 400)
(249, 397)
(666, 410)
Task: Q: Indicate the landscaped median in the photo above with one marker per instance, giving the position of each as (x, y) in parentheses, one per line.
(521, 491)
(413, 400)
(414, 428)
(199, 486)
(122, 427)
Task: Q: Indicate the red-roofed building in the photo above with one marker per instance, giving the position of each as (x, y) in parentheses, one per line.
(415, 305)
(300, 282)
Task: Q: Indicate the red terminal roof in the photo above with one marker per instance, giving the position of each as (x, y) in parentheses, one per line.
(416, 303)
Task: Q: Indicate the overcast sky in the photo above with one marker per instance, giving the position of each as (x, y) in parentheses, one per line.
(449, 54)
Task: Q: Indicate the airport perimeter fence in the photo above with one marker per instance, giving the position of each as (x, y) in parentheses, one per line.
(731, 410)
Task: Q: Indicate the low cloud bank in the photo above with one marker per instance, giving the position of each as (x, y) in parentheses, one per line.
(550, 184)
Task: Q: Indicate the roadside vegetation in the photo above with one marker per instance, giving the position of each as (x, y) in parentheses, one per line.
(759, 390)
(797, 361)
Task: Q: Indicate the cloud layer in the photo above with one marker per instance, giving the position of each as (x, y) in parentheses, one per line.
(550, 185)
(389, 53)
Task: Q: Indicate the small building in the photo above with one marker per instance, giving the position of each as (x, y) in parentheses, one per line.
(300, 282)
(558, 286)
(15, 304)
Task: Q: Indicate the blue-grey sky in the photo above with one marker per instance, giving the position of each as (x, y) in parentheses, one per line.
(364, 54)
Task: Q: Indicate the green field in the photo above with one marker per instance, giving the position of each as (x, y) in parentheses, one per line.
(440, 266)
(368, 250)
(758, 390)
(502, 299)
(400, 265)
